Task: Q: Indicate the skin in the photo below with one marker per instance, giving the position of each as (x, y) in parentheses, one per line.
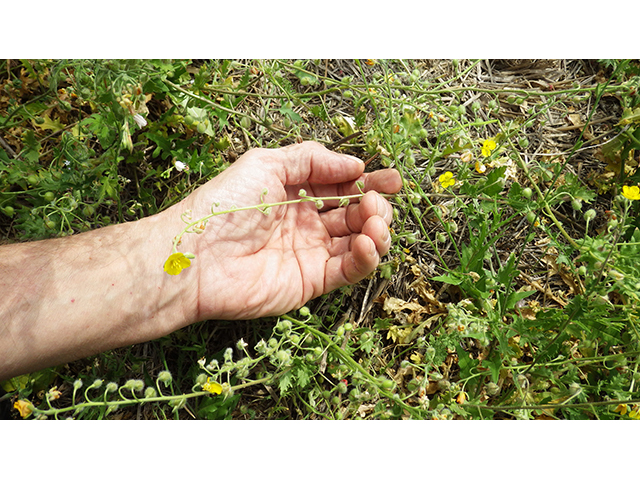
(68, 298)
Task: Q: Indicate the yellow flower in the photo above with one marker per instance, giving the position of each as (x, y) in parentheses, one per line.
(370, 62)
(621, 409)
(176, 263)
(25, 407)
(480, 167)
(212, 387)
(447, 179)
(632, 193)
(487, 147)
(416, 357)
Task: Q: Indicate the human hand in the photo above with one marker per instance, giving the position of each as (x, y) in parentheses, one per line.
(251, 265)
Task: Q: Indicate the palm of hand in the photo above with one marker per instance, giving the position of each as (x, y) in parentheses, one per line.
(251, 264)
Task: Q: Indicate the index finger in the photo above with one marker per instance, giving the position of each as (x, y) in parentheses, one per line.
(311, 162)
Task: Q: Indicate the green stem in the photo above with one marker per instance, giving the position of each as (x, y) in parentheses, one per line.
(115, 403)
(549, 405)
(263, 207)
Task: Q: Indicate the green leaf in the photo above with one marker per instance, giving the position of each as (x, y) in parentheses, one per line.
(465, 362)
(457, 146)
(303, 375)
(515, 297)
(495, 182)
(48, 124)
(285, 381)
(306, 78)
(494, 363)
(288, 111)
(450, 279)
(218, 408)
(320, 112)
(508, 271)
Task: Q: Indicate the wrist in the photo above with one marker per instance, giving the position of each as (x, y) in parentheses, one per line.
(65, 299)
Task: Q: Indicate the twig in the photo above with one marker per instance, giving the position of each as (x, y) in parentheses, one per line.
(6, 146)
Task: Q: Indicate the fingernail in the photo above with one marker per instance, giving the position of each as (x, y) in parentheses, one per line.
(372, 250)
(354, 158)
(386, 236)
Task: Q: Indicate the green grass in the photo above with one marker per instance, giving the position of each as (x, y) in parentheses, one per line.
(512, 293)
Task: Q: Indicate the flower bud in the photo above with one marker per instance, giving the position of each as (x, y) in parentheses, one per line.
(150, 392)
(228, 355)
(134, 385)
(589, 214)
(576, 204)
(283, 356)
(387, 383)
(96, 384)
(165, 377)
(261, 347)
(492, 388)
(226, 389)
(126, 142)
(342, 387)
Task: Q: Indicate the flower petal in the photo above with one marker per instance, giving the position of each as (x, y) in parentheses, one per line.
(447, 179)
(24, 407)
(140, 120)
(632, 193)
(176, 263)
(212, 387)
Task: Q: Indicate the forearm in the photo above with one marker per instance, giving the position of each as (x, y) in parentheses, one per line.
(65, 299)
